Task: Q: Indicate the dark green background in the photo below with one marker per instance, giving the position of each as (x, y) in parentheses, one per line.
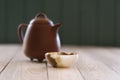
(84, 22)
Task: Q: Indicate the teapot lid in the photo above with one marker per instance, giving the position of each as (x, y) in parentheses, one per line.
(42, 19)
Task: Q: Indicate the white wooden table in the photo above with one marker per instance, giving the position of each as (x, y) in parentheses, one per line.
(95, 63)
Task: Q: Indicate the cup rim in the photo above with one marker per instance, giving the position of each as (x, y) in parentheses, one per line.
(62, 53)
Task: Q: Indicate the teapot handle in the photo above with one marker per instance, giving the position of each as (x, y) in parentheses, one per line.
(20, 32)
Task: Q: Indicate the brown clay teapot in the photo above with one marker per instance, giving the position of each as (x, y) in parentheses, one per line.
(41, 36)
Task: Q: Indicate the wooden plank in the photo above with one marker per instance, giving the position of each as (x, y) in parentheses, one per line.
(95, 70)
(7, 52)
(21, 68)
(107, 56)
(115, 51)
(71, 73)
(94, 64)
(90, 68)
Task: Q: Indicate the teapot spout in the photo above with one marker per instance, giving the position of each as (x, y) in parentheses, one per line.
(56, 26)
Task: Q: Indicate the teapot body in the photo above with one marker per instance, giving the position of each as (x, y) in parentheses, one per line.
(40, 39)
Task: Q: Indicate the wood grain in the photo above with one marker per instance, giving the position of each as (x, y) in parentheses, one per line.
(94, 63)
(7, 52)
(92, 69)
(21, 68)
(108, 56)
(64, 73)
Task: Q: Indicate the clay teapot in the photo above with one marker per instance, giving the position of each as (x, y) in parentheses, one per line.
(41, 36)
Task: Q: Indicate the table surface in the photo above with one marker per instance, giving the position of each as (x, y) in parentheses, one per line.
(94, 63)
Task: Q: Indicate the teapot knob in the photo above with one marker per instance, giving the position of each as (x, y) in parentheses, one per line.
(41, 15)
